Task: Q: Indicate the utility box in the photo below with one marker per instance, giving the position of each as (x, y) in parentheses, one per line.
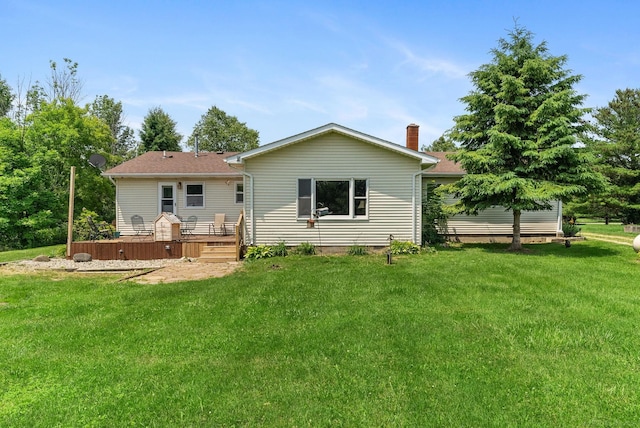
(167, 227)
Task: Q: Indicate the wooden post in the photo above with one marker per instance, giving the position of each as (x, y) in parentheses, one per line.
(72, 187)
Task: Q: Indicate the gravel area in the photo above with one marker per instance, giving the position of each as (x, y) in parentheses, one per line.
(159, 271)
(95, 265)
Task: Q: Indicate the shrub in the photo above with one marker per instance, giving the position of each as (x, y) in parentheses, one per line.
(81, 229)
(258, 252)
(404, 247)
(60, 252)
(570, 229)
(357, 250)
(434, 217)
(429, 249)
(306, 249)
(280, 249)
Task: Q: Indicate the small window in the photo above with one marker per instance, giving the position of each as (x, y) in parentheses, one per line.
(304, 197)
(195, 195)
(360, 197)
(239, 193)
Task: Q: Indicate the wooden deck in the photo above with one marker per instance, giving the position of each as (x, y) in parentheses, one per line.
(146, 248)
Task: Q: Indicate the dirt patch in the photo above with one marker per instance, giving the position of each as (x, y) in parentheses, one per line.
(187, 272)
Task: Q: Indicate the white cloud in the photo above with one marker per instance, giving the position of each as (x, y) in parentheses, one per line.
(429, 65)
(306, 105)
(196, 101)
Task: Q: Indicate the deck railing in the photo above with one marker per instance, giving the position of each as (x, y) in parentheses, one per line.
(240, 235)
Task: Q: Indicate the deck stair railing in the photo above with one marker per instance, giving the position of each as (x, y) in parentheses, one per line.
(240, 235)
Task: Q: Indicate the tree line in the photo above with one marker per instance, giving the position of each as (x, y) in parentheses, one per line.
(525, 141)
(44, 131)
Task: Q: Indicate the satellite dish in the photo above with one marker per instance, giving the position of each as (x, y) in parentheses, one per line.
(97, 160)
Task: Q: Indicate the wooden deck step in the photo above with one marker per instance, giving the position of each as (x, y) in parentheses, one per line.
(218, 254)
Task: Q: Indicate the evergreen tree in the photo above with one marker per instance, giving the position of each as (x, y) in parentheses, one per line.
(159, 132)
(617, 149)
(518, 137)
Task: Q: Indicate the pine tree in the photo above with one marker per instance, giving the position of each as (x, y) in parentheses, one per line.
(518, 139)
(159, 132)
(617, 149)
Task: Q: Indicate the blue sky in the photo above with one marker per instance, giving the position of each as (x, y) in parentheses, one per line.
(285, 67)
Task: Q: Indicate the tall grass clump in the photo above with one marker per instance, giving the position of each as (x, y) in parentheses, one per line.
(306, 249)
(280, 249)
(357, 250)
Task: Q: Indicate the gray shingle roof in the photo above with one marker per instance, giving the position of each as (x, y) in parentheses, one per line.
(175, 163)
(445, 166)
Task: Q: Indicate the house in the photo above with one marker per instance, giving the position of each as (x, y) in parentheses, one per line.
(495, 223)
(331, 186)
(182, 183)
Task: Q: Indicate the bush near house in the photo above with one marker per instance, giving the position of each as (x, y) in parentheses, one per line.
(259, 252)
(404, 247)
(570, 229)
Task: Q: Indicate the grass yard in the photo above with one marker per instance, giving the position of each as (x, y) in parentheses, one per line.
(607, 229)
(30, 253)
(469, 336)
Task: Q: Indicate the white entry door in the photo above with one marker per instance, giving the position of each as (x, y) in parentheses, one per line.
(167, 202)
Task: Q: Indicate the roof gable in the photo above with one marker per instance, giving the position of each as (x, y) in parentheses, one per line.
(425, 159)
(174, 163)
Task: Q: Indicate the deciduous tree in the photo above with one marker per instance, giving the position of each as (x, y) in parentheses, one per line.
(64, 83)
(217, 131)
(110, 112)
(518, 137)
(60, 135)
(443, 144)
(6, 97)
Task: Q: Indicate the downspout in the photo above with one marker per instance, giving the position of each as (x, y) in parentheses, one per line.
(252, 214)
(559, 228)
(414, 219)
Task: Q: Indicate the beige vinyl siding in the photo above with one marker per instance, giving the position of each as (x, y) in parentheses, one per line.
(136, 196)
(497, 221)
(331, 157)
(219, 198)
(140, 196)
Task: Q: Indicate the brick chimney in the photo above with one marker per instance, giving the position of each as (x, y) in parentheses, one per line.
(412, 136)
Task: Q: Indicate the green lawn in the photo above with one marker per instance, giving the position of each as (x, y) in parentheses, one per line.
(606, 229)
(469, 336)
(54, 250)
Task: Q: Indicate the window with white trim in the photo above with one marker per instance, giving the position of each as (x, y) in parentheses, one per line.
(239, 192)
(341, 198)
(194, 195)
